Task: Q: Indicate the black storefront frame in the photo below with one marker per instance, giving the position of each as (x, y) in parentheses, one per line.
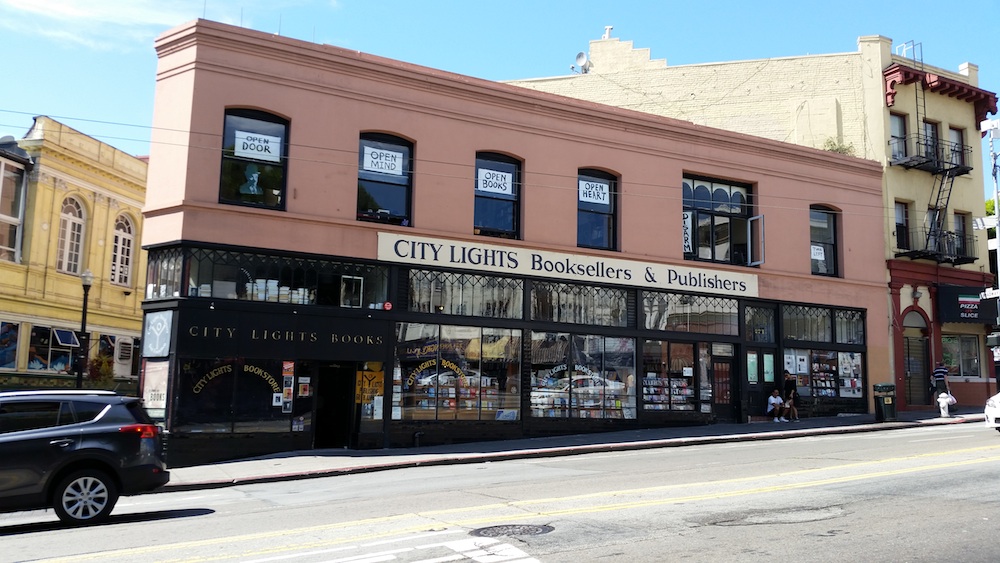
(382, 321)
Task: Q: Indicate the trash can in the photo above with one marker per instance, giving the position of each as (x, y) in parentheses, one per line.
(885, 402)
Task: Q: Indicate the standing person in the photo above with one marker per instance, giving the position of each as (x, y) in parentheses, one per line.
(775, 404)
(939, 380)
(791, 397)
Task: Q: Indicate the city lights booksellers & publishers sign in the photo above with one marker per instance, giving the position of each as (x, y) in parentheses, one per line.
(445, 253)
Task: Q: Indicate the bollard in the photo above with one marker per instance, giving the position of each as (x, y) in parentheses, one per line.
(416, 439)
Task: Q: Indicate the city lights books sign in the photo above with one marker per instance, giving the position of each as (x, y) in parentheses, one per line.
(506, 260)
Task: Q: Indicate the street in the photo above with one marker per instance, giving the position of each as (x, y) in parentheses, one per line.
(922, 494)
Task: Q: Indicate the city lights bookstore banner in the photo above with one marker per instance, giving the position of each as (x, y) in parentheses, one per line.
(505, 260)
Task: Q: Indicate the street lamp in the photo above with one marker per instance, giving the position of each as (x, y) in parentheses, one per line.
(87, 279)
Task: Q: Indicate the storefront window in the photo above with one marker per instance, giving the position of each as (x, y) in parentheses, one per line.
(826, 373)
(8, 345)
(850, 327)
(250, 389)
(456, 373)
(249, 276)
(204, 390)
(668, 381)
(806, 323)
(582, 376)
(465, 294)
(690, 313)
(569, 303)
(961, 355)
(51, 349)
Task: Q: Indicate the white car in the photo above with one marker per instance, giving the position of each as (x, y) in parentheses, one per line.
(993, 412)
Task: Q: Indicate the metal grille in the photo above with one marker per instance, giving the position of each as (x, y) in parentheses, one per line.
(759, 324)
(581, 304)
(850, 326)
(465, 294)
(811, 324)
(690, 313)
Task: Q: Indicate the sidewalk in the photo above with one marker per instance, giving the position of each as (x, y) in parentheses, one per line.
(325, 463)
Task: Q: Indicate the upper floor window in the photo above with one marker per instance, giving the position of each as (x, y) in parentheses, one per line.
(121, 252)
(498, 195)
(70, 237)
(11, 209)
(956, 146)
(959, 226)
(595, 219)
(717, 223)
(254, 159)
(897, 136)
(902, 225)
(385, 179)
(930, 141)
(823, 241)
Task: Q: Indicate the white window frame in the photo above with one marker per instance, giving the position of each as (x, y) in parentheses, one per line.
(72, 221)
(121, 252)
(16, 221)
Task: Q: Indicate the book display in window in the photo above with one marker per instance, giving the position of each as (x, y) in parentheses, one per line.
(850, 375)
(824, 374)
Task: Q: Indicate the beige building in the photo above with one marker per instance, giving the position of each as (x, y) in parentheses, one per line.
(351, 251)
(880, 103)
(71, 205)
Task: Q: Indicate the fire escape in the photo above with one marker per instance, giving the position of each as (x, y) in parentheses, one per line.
(945, 160)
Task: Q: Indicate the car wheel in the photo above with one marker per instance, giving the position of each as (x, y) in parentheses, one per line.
(85, 497)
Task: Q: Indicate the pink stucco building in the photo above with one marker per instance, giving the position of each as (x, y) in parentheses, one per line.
(346, 250)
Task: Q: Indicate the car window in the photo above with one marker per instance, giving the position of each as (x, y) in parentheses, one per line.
(139, 413)
(121, 414)
(87, 411)
(29, 415)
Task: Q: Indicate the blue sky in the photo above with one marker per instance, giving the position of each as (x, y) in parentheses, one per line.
(91, 63)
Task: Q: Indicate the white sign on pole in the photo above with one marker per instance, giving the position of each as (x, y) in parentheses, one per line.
(983, 223)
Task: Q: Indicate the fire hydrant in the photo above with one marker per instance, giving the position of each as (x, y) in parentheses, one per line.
(943, 400)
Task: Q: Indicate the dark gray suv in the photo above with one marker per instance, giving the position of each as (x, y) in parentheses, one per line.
(76, 452)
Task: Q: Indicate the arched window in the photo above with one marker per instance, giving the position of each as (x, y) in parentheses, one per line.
(254, 159)
(385, 179)
(823, 241)
(121, 252)
(70, 236)
(717, 223)
(498, 195)
(596, 218)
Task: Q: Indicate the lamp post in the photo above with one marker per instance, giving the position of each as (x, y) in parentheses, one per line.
(87, 279)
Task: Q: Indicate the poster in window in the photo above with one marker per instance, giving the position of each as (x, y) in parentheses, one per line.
(384, 161)
(257, 146)
(495, 182)
(817, 253)
(595, 192)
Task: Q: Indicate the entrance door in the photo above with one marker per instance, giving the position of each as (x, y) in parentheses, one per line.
(915, 361)
(725, 391)
(760, 380)
(335, 422)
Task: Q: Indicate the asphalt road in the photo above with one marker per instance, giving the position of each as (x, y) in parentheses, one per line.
(921, 494)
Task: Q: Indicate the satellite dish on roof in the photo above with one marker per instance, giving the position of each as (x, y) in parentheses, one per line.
(582, 62)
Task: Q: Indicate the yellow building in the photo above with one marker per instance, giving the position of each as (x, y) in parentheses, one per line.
(71, 207)
(880, 103)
